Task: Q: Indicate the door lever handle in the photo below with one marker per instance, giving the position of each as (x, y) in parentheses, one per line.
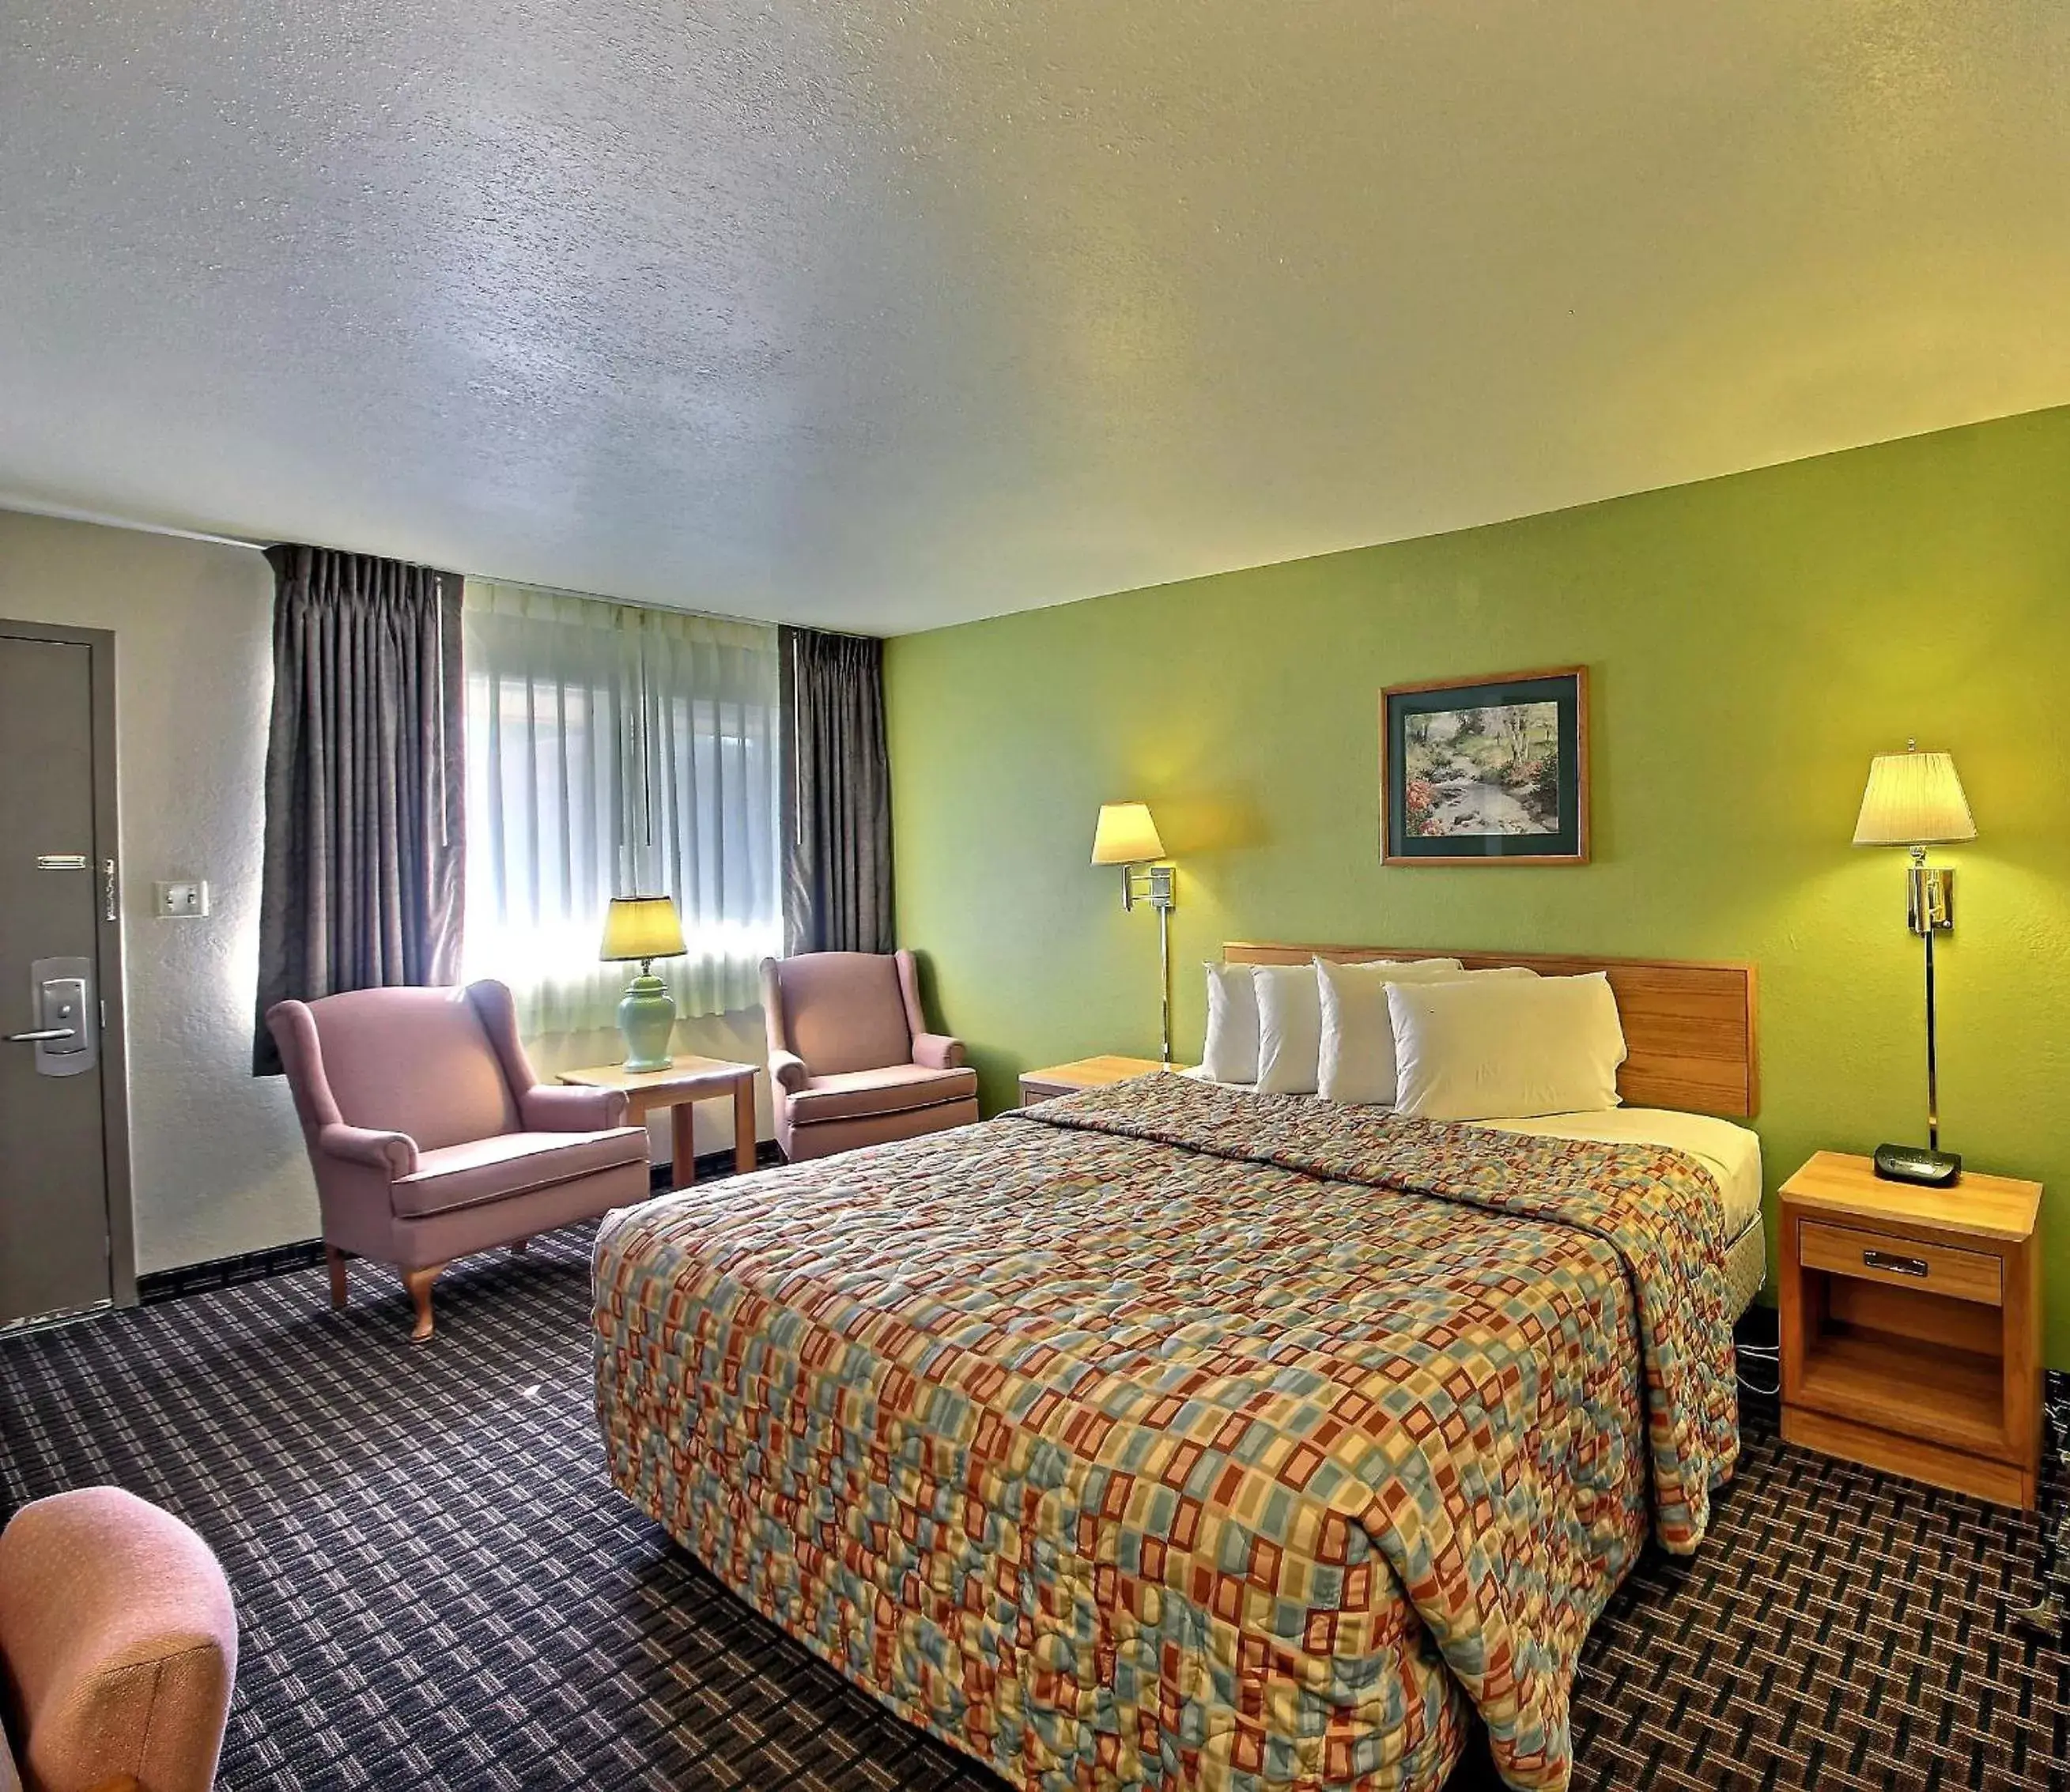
(60, 997)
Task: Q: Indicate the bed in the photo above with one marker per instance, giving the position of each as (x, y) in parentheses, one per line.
(1175, 1435)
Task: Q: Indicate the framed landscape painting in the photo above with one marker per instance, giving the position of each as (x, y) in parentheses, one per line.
(1485, 770)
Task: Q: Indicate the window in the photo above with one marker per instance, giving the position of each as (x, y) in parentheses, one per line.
(612, 751)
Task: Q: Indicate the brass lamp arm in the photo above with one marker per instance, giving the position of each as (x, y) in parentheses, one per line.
(1156, 888)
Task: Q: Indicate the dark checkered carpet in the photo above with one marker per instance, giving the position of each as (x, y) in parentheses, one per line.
(438, 1588)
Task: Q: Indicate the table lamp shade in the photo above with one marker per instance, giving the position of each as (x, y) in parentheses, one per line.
(1126, 834)
(639, 928)
(1913, 799)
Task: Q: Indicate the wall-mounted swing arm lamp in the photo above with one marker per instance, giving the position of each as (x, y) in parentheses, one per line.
(1915, 800)
(1127, 837)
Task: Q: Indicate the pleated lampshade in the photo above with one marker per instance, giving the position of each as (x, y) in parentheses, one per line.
(1913, 799)
(641, 927)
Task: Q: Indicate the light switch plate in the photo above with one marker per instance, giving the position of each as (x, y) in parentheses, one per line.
(185, 900)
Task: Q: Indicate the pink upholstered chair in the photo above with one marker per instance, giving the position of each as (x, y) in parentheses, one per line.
(851, 1061)
(120, 1646)
(431, 1137)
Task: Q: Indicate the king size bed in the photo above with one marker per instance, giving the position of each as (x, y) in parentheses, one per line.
(1179, 1435)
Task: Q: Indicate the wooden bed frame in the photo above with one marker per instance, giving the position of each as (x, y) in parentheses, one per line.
(1689, 1026)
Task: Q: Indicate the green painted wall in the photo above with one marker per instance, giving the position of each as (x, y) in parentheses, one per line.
(1752, 641)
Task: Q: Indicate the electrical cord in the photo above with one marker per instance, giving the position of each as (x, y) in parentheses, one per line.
(2047, 1616)
(1767, 1353)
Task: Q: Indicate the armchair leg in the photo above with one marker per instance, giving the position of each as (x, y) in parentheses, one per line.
(517, 1250)
(334, 1261)
(419, 1282)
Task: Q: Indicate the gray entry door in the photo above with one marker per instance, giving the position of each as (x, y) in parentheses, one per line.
(55, 1250)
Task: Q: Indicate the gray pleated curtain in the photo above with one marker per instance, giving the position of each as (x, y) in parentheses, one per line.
(362, 885)
(836, 794)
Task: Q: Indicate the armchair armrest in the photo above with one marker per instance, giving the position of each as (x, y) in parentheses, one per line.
(393, 1153)
(121, 1641)
(552, 1108)
(788, 1071)
(937, 1052)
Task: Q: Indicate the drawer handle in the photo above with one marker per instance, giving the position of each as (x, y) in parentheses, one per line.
(1897, 1266)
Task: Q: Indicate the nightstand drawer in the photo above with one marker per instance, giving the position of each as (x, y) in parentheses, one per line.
(1901, 1262)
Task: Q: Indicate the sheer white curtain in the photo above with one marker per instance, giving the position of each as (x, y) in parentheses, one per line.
(613, 750)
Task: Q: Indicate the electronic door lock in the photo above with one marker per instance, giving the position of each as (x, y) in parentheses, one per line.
(63, 1005)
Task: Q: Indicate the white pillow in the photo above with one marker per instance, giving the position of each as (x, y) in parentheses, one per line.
(1231, 1055)
(1489, 1048)
(1290, 1028)
(1290, 1021)
(1357, 1064)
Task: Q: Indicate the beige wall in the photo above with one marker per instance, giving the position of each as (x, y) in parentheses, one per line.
(216, 1159)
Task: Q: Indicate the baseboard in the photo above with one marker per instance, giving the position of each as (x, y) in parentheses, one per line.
(1759, 1325)
(285, 1259)
(712, 1165)
(222, 1272)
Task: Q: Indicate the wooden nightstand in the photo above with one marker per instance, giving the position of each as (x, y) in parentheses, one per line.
(1912, 1326)
(1084, 1073)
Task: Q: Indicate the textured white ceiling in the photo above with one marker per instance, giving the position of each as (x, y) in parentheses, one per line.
(884, 315)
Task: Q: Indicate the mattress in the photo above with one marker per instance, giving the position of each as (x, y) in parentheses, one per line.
(1163, 1436)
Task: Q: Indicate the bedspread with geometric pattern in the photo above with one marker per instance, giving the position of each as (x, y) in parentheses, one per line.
(1169, 1436)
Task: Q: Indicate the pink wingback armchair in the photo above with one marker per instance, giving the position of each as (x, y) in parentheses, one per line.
(119, 1644)
(851, 1061)
(431, 1137)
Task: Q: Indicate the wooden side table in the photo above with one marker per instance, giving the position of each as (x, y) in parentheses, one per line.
(1912, 1326)
(1081, 1073)
(689, 1079)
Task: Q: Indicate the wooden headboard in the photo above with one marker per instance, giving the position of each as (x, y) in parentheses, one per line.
(1689, 1028)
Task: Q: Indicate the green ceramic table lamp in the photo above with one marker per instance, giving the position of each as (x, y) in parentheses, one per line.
(641, 928)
